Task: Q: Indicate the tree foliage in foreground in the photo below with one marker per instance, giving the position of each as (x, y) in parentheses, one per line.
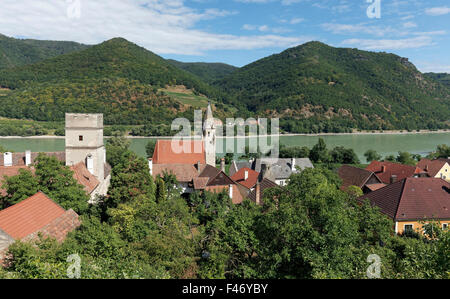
(309, 229)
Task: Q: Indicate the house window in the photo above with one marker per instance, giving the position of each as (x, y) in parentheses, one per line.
(80, 138)
(444, 226)
(408, 228)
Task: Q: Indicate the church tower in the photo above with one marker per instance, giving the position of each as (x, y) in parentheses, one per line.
(84, 142)
(209, 137)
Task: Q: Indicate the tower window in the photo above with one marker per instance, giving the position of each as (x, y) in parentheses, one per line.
(80, 138)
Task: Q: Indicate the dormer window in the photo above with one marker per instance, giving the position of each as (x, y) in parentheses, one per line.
(80, 138)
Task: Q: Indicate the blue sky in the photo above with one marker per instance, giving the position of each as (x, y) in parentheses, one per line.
(239, 32)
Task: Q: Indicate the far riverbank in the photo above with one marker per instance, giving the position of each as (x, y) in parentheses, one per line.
(394, 132)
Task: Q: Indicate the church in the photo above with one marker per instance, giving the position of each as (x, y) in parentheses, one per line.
(193, 162)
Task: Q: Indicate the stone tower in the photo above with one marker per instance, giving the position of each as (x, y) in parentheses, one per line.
(84, 142)
(209, 137)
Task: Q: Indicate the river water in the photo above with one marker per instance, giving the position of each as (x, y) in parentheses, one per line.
(385, 144)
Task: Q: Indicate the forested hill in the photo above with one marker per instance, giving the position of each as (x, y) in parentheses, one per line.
(312, 88)
(19, 52)
(312, 84)
(117, 78)
(115, 58)
(208, 72)
(444, 78)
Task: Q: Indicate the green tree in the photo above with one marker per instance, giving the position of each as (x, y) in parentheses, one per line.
(372, 155)
(319, 153)
(52, 178)
(150, 148)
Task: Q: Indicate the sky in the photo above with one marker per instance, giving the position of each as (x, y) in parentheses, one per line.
(239, 32)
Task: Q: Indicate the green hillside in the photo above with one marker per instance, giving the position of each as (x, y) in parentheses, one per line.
(116, 58)
(444, 78)
(208, 72)
(116, 78)
(19, 52)
(318, 88)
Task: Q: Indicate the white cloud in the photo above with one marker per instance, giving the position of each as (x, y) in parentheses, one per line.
(359, 28)
(409, 25)
(162, 26)
(390, 44)
(437, 11)
(264, 28)
(434, 67)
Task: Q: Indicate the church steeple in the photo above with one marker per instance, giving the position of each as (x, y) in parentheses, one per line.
(209, 137)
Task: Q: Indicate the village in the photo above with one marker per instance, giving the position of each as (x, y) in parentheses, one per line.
(410, 196)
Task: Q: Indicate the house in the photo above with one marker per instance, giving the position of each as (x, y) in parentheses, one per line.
(435, 168)
(246, 177)
(279, 170)
(214, 180)
(238, 165)
(389, 172)
(257, 193)
(413, 200)
(34, 216)
(84, 152)
(185, 173)
(364, 179)
(186, 158)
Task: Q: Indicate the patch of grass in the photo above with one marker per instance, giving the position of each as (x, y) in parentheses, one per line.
(189, 99)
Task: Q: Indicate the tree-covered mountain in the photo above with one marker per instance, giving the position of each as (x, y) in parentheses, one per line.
(117, 78)
(312, 88)
(19, 52)
(318, 88)
(208, 72)
(444, 78)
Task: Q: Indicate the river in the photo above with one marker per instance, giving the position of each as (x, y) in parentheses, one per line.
(385, 144)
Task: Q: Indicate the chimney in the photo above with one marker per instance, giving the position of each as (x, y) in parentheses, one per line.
(293, 165)
(231, 191)
(90, 163)
(222, 164)
(246, 175)
(198, 167)
(258, 193)
(426, 168)
(28, 158)
(150, 166)
(7, 159)
(383, 169)
(263, 171)
(393, 179)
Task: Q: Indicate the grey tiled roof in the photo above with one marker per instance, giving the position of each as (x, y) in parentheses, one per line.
(279, 169)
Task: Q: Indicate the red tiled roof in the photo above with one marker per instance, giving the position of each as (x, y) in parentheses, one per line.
(8, 172)
(265, 184)
(239, 177)
(375, 187)
(354, 176)
(431, 167)
(29, 216)
(200, 183)
(183, 172)
(84, 177)
(400, 170)
(179, 152)
(413, 199)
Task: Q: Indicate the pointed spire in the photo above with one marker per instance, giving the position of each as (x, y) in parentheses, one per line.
(209, 114)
